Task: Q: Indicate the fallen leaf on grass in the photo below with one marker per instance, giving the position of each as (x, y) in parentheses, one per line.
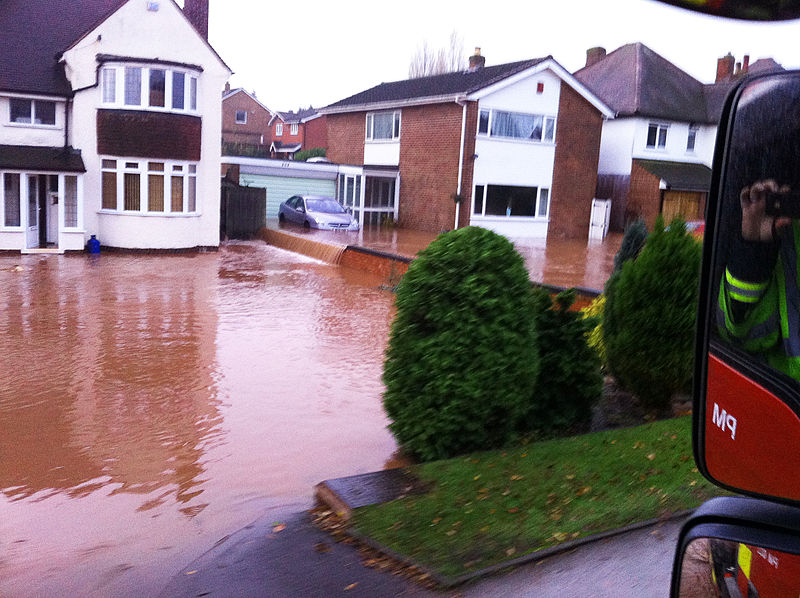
(516, 477)
(685, 458)
(638, 445)
(507, 492)
(452, 532)
(693, 482)
(560, 536)
(513, 510)
(651, 456)
(477, 477)
(569, 477)
(435, 521)
(583, 490)
(510, 551)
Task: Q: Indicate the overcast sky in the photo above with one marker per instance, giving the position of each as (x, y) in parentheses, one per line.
(316, 52)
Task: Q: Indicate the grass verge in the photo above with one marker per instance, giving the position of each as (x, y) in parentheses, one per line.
(494, 506)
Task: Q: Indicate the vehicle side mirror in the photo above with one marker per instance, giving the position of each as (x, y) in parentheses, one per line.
(737, 547)
(747, 362)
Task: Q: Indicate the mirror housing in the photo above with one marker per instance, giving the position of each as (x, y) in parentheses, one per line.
(734, 544)
(752, 10)
(747, 361)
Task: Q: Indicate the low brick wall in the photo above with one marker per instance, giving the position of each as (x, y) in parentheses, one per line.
(389, 267)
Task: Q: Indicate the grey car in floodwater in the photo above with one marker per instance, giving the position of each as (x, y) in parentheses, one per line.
(316, 211)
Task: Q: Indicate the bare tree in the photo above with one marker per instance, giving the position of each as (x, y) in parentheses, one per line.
(427, 61)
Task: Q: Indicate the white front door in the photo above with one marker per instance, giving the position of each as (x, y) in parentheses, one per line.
(351, 196)
(32, 231)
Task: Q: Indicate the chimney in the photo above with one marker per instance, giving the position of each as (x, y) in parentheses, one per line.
(476, 61)
(725, 68)
(227, 87)
(745, 63)
(595, 55)
(197, 13)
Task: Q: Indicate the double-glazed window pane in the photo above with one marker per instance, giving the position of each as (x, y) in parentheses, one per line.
(133, 85)
(158, 87)
(383, 125)
(507, 200)
(657, 136)
(109, 191)
(192, 198)
(70, 201)
(517, 126)
(109, 85)
(483, 122)
(44, 113)
(544, 202)
(193, 93)
(132, 191)
(177, 194)
(478, 208)
(155, 187)
(12, 198)
(178, 80)
(21, 110)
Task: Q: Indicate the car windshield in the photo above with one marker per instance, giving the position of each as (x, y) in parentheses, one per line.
(329, 206)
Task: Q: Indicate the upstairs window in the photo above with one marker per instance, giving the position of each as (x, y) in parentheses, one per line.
(32, 112)
(657, 136)
(691, 140)
(158, 89)
(279, 130)
(241, 117)
(517, 125)
(383, 126)
(293, 129)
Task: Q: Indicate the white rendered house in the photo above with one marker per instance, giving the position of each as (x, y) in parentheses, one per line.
(109, 125)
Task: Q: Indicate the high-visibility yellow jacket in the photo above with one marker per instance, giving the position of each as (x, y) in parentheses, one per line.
(759, 300)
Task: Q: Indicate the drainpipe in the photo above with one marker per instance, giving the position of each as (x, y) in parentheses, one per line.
(67, 104)
(463, 103)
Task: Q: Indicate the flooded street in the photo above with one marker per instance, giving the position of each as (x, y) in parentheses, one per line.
(152, 404)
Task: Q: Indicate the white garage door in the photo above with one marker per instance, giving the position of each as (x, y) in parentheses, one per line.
(282, 188)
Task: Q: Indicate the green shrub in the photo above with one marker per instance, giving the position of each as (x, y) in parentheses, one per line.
(569, 380)
(632, 242)
(649, 316)
(594, 337)
(314, 152)
(462, 357)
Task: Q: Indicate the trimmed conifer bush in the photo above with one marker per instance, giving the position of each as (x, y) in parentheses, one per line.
(650, 314)
(462, 358)
(570, 381)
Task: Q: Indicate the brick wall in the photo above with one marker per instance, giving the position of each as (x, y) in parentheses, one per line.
(316, 133)
(430, 140)
(644, 198)
(257, 124)
(575, 170)
(346, 137)
(148, 135)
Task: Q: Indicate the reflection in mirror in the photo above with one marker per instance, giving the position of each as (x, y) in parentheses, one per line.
(713, 567)
(759, 294)
(751, 10)
(750, 414)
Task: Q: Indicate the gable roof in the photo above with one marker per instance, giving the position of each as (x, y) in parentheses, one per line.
(302, 115)
(448, 84)
(636, 81)
(470, 84)
(36, 32)
(233, 92)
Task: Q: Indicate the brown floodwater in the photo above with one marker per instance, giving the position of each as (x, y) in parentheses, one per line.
(152, 404)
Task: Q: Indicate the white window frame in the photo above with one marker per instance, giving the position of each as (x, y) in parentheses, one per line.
(243, 119)
(691, 139)
(293, 129)
(113, 92)
(369, 134)
(548, 122)
(33, 124)
(657, 144)
(279, 130)
(172, 168)
(540, 202)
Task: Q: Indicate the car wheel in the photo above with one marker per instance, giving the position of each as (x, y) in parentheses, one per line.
(306, 224)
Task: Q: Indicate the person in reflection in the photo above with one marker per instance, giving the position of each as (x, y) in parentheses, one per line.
(759, 299)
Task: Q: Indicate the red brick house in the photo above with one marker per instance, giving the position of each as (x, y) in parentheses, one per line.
(512, 147)
(246, 123)
(295, 131)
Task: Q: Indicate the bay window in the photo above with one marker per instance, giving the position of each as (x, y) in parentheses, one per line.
(149, 187)
(511, 200)
(516, 125)
(148, 88)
